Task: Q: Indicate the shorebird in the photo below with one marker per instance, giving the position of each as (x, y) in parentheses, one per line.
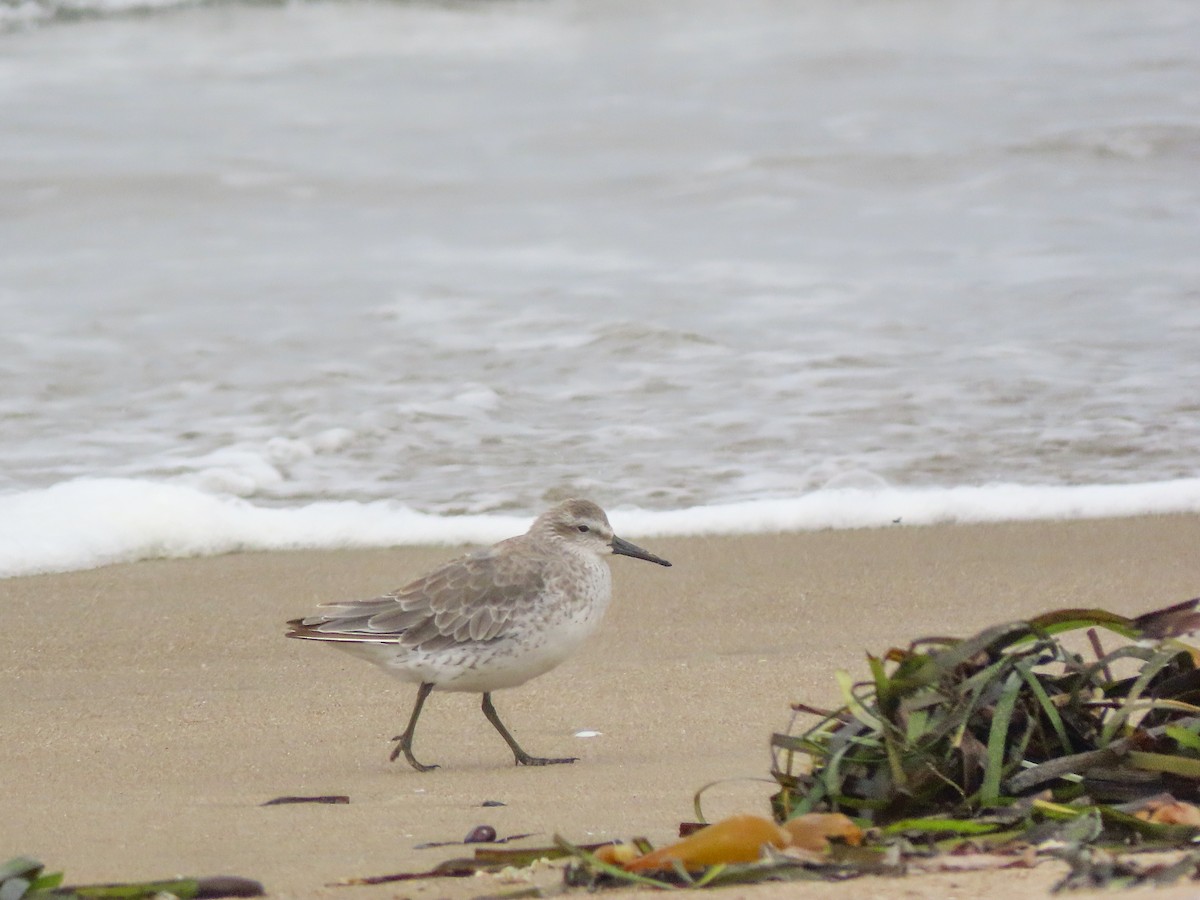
(489, 620)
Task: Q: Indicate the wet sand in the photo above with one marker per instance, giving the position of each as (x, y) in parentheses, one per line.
(149, 709)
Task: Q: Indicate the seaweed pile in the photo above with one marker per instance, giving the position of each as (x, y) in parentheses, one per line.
(954, 728)
(1027, 739)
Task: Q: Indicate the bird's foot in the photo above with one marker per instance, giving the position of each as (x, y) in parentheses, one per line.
(404, 745)
(524, 759)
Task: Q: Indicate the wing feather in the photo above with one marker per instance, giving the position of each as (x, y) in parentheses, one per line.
(473, 598)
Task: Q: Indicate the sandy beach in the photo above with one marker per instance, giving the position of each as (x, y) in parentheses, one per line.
(149, 709)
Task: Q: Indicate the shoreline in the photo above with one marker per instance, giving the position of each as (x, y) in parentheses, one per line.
(71, 526)
(151, 707)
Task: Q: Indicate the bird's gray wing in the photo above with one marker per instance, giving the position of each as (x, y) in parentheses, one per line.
(473, 598)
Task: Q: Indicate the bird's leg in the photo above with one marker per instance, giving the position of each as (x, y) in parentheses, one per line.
(523, 758)
(405, 740)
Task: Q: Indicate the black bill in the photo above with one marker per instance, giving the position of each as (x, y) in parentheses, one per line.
(624, 548)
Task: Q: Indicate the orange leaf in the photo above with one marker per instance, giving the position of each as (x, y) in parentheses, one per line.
(616, 854)
(1171, 812)
(813, 831)
(737, 839)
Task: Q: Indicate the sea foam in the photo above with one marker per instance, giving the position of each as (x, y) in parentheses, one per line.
(87, 523)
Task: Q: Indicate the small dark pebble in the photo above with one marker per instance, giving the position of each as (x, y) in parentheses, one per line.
(492, 803)
(328, 798)
(481, 834)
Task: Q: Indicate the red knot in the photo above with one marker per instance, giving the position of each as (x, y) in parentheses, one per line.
(489, 620)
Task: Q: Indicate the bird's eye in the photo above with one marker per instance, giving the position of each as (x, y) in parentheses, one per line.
(583, 529)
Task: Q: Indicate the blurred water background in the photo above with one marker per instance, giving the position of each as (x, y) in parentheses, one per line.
(318, 273)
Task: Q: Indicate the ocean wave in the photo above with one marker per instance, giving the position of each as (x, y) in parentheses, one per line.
(27, 13)
(91, 522)
(1128, 141)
